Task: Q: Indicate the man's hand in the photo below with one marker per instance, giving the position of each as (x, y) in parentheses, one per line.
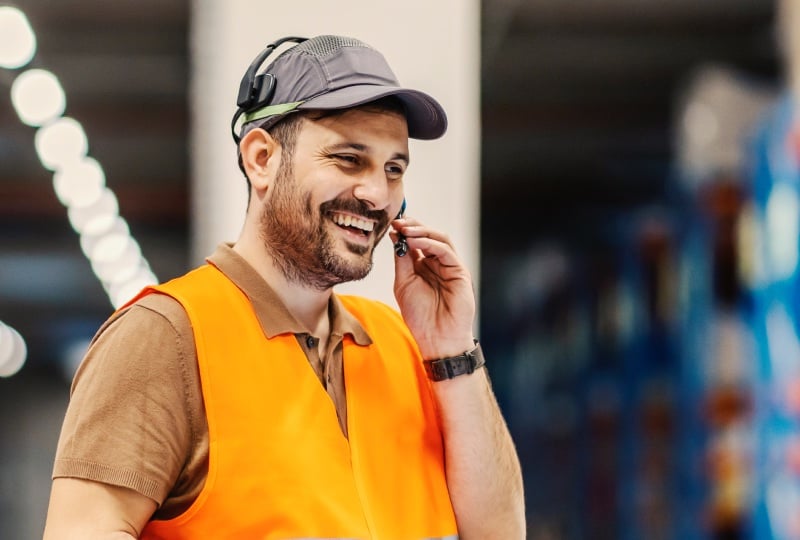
(434, 291)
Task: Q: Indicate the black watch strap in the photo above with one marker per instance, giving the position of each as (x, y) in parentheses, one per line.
(453, 366)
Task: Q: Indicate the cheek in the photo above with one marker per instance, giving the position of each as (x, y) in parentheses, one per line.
(323, 184)
(399, 204)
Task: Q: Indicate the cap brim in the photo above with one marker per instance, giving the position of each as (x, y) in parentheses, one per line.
(426, 118)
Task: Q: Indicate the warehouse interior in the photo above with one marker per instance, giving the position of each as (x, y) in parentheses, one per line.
(586, 191)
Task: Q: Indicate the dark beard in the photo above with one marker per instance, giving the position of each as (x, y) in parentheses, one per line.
(298, 241)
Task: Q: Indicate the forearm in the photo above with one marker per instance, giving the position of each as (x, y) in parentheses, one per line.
(483, 470)
(434, 291)
(81, 509)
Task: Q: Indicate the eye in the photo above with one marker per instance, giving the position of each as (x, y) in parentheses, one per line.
(347, 159)
(394, 170)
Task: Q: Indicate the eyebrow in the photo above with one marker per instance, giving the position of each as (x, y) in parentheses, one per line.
(364, 148)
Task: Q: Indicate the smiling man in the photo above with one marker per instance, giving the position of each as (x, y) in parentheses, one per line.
(247, 400)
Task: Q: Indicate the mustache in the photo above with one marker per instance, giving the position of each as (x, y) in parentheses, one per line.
(359, 208)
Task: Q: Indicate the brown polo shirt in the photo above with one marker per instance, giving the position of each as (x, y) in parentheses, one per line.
(136, 416)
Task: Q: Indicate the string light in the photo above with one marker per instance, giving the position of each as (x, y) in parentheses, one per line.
(78, 180)
(80, 184)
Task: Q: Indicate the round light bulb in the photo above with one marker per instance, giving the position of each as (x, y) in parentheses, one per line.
(89, 242)
(79, 183)
(17, 40)
(122, 267)
(13, 351)
(61, 142)
(37, 97)
(96, 217)
(110, 247)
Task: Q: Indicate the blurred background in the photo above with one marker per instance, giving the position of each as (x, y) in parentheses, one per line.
(640, 218)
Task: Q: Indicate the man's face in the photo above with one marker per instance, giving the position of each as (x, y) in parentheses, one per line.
(333, 199)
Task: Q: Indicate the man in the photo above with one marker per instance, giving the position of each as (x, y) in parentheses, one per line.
(246, 400)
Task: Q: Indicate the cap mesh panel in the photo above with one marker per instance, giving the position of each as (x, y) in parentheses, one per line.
(322, 46)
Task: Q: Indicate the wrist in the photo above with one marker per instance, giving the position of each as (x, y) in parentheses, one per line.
(445, 349)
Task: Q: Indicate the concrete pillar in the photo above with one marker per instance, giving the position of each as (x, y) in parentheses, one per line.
(431, 46)
(788, 18)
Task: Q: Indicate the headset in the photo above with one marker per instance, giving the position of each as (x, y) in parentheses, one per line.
(256, 89)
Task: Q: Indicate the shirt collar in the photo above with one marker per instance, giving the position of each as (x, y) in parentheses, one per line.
(272, 314)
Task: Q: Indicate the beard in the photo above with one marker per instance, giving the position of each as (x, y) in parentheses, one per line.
(298, 239)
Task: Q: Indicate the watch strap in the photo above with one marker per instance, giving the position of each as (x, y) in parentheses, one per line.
(448, 368)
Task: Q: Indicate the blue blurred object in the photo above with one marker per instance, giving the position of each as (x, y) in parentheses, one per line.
(776, 320)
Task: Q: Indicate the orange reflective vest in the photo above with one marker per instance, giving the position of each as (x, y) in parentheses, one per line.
(279, 465)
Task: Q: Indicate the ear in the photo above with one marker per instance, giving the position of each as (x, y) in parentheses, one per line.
(260, 157)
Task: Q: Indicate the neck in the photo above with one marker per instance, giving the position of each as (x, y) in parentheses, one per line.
(307, 304)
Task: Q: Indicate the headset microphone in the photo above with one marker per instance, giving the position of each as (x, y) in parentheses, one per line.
(401, 246)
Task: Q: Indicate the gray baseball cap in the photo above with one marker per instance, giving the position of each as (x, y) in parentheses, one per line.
(335, 72)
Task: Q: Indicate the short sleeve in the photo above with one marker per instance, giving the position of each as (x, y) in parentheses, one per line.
(129, 420)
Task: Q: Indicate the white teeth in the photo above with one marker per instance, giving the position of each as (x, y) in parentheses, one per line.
(364, 225)
(350, 221)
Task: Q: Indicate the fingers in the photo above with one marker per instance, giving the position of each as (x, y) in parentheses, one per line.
(425, 245)
(413, 228)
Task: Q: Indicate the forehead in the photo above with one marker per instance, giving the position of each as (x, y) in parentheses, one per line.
(359, 126)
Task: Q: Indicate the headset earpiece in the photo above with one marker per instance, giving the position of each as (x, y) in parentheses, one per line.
(256, 90)
(263, 88)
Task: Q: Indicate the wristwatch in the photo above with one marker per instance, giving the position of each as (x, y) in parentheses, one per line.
(453, 366)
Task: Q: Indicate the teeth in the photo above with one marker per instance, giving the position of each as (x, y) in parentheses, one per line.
(350, 221)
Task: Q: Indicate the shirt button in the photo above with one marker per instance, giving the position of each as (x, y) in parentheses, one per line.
(311, 342)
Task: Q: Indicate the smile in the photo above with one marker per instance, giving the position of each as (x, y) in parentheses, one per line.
(353, 223)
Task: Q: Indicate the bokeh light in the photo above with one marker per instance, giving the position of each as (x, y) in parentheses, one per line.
(79, 183)
(13, 351)
(17, 40)
(60, 143)
(89, 242)
(97, 217)
(38, 97)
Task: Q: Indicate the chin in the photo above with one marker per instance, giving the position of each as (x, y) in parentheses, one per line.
(359, 251)
(355, 266)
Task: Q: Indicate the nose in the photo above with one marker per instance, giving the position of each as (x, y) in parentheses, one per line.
(373, 189)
